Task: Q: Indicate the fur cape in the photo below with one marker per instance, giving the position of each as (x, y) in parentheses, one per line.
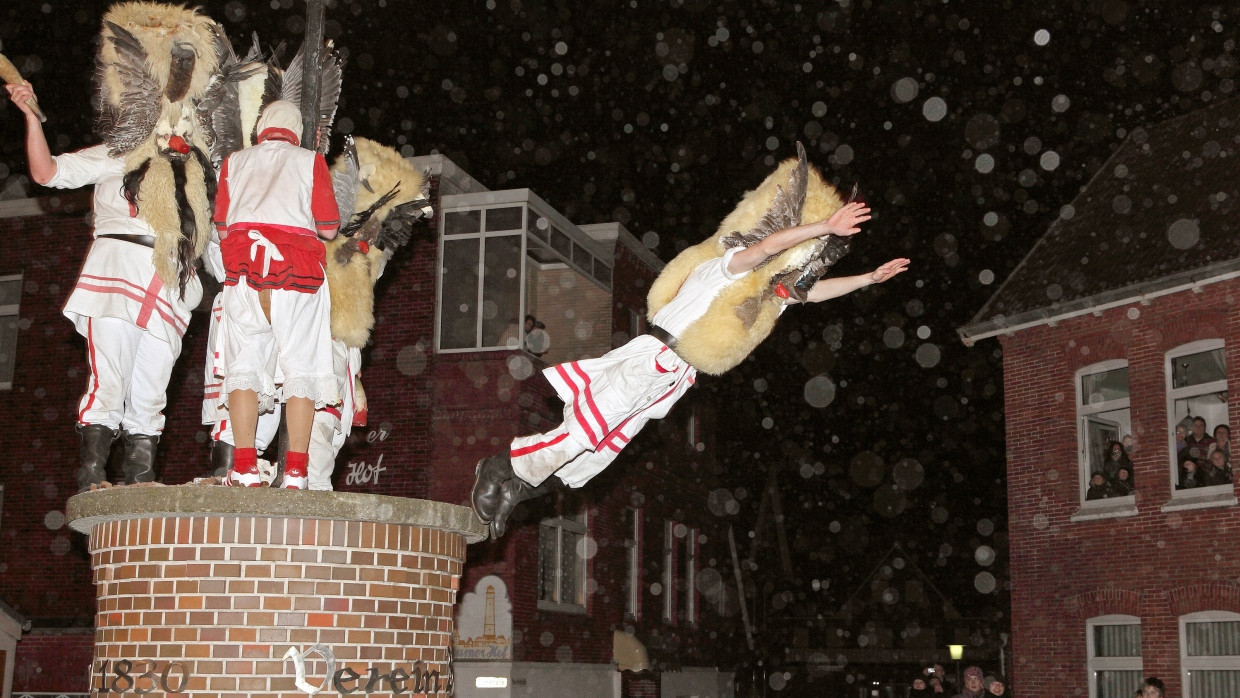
(354, 263)
(154, 62)
(744, 313)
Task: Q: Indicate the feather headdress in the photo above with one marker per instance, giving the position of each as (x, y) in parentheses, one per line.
(382, 195)
(744, 313)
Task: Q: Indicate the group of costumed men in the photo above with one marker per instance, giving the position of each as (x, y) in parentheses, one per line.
(192, 133)
(201, 159)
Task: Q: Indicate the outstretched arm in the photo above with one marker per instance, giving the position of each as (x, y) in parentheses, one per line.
(38, 155)
(843, 285)
(843, 222)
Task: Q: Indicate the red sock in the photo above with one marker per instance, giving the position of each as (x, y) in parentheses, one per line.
(295, 463)
(245, 460)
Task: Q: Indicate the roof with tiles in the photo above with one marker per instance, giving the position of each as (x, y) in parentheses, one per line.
(1162, 213)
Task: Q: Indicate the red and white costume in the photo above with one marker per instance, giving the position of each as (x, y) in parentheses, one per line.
(333, 424)
(272, 199)
(609, 399)
(133, 323)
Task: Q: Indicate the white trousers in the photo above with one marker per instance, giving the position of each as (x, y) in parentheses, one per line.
(129, 372)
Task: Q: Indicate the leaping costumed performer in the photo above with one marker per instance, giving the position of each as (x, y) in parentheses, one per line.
(709, 308)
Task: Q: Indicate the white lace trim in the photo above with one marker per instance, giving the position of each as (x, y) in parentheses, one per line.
(265, 388)
(324, 390)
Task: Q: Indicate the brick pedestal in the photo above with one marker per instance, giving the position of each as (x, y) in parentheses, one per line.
(233, 592)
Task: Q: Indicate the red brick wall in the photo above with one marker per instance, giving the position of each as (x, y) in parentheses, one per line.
(38, 461)
(1155, 565)
(58, 662)
(216, 602)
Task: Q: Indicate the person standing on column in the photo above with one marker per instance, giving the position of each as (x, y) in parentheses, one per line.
(131, 319)
(274, 203)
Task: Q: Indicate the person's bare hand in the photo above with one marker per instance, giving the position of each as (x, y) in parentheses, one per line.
(21, 94)
(846, 220)
(889, 270)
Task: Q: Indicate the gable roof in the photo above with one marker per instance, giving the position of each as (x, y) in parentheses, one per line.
(906, 568)
(1162, 215)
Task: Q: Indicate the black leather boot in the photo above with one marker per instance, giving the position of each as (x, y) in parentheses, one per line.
(139, 464)
(96, 446)
(489, 476)
(512, 493)
(221, 458)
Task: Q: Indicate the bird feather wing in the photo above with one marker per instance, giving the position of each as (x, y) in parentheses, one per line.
(345, 178)
(127, 119)
(785, 208)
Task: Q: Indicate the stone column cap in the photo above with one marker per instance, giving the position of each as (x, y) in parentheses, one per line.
(88, 509)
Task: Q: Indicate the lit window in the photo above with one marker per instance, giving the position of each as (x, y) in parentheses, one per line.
(669, 571)
(1114, 656)
(10, 305)
(562, 563)
(1196, 406)
(691, 543)
(1104, 418)
(633, 561)
(1210, 654)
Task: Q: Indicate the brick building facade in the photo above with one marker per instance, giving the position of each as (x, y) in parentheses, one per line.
(1120, 326)
(636, 551)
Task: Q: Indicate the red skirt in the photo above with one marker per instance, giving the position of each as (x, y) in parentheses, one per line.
(269, 258)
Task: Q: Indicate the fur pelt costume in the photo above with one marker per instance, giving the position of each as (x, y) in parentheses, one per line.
(385, 195)
(153, 65)
(745, 312)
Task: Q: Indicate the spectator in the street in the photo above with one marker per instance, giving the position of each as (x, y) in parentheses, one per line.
(1153, 688)
(995, 686)
(972, 683)
(920, 689)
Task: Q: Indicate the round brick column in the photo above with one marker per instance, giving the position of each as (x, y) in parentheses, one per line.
(206, 591)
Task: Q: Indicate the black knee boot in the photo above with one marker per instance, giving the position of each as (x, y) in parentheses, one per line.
(489, 476)
(512, 493)
(139, 465)
(96, 446)
(221, 458)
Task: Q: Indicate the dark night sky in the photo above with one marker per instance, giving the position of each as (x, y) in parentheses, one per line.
(967, 124)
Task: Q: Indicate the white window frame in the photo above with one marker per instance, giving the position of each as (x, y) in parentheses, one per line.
(1083, 413)
(561, 524)
(633, 563)
(1174, 394)
(1190, 664)
(669, 571)
(533, 209)
(1094, 664)
(14, 310)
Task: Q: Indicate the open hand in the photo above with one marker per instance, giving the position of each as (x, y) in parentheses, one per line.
(889, 270)
(844, 222)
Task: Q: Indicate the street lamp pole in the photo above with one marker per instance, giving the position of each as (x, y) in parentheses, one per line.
(957, 653)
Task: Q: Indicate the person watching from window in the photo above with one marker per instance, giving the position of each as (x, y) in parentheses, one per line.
(1199, 442)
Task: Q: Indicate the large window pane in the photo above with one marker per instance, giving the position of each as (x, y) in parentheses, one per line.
(8, 347)
(1117, 640)
(547, 561)
(507, 218)
(539, 226)
(561, 242)
(1214, 684)
(1117, 684)
(10, 291)
(458, 326)
(1213, 639)
(501, 289)
(1104, 386)
(462, 222)
(1195, 369)
(571, 588)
